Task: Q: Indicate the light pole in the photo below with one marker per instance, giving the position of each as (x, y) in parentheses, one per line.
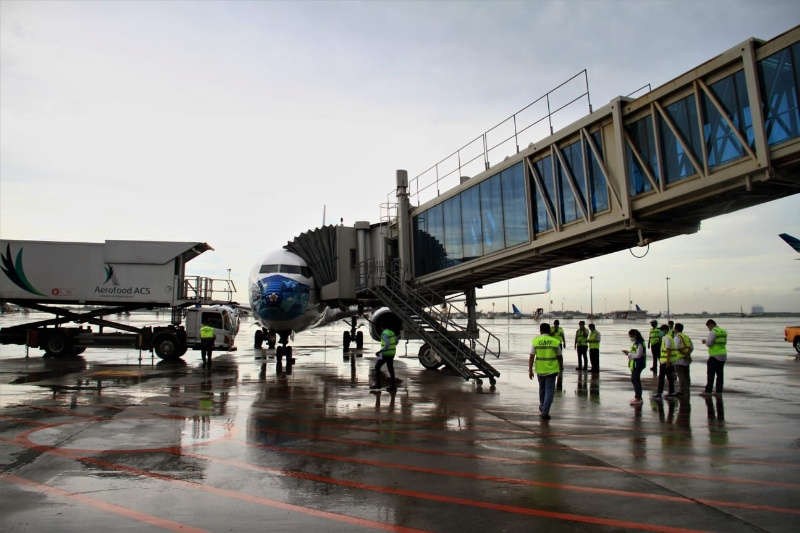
(605, 307)
(668, 316)
(562, 305)
(591, 296)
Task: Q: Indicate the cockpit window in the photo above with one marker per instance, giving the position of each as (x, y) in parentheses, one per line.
(286, 269)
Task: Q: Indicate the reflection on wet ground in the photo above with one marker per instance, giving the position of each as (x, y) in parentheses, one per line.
(103, 441)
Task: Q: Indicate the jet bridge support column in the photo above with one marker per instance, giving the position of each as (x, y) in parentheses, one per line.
(406, 274)
(472, 314)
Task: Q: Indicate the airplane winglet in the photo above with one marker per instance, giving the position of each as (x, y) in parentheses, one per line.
(791, 241)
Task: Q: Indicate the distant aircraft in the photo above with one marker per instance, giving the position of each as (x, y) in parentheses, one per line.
(517, 312)
(791, 241)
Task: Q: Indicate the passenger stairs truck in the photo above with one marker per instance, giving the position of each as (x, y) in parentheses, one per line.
(84, 284)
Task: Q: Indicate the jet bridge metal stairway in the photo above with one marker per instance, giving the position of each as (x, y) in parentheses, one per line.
(437, 329)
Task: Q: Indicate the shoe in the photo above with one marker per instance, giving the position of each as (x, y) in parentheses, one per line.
(545, 416)
(636, 401)
(653, 369)
(669, 395)
(375, 387)
(718, 393)
(391, 389)
(657, 397)
(705, 393)
(579, 368)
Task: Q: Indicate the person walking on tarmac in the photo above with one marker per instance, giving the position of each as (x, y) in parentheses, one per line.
(654, 343)
(582, 346)
(666, 369)
(717, 343)
(544, 354)
(386, 355)
(683, 344)
(594, 349)
(558, 332)
(207, 338)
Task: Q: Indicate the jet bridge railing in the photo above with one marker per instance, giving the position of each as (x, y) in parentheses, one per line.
(202, 289)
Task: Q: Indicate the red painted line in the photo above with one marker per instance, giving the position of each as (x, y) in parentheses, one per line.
(461, 501)
(226, 493)
(104, 506)
(512, 481)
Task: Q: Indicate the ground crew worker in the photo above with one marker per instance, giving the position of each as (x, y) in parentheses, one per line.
(665, 370)
(558, 332)
(582, 346)
(544, 353)
(717, 343)
(207, 338)
(683, 344)
(594, 349)
(386, 355)
(654, 343)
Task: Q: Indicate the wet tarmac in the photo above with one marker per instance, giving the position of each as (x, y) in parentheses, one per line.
(106, 441)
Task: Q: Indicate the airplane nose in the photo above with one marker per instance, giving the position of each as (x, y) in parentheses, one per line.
(273, 293)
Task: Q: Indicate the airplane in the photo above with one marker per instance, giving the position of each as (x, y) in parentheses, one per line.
(794, 242)
(517, 312)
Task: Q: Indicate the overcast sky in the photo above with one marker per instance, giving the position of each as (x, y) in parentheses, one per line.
(240, 123)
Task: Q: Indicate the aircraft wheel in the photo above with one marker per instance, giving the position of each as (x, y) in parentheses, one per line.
(271, 340)
(279, 352)
(797, 344)
(288, 353)
(359, 339)
(167, 346)
(259, 339)
(346, 340)
(428, 358)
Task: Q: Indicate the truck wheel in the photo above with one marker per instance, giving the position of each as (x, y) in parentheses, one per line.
(797, 344)
(58, 345)
(428, 358)
(167, 346)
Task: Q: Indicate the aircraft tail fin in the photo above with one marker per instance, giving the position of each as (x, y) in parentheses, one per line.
(638, 308)
(791, 241)
(516, 311)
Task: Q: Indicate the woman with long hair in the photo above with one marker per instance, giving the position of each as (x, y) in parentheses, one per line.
(636, 362)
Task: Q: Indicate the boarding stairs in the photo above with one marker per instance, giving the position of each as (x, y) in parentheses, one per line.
(416, 307)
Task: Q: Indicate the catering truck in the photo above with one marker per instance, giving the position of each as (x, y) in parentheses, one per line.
(84, 285)
(792, 334)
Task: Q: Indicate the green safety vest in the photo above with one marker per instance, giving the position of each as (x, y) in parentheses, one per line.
(206, 332)
(558, 333)
(655, 336)
(720, 343)
(546, 350)
(388, 351)
(581, 337)
(686, 345)
(634, 349)
(675, 353)
(593, 342)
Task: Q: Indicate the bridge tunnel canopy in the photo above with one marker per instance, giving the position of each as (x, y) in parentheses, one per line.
(720, 138)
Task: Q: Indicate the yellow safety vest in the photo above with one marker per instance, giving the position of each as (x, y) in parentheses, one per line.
(546, 350)
(655, 336)
(593, 342)
(686, 345)
(206, 332)
(720, 343)
(675, 353)
(581, 337)
(558, 333)
(392, 348)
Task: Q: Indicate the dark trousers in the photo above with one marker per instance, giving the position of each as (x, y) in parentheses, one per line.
(714, 368)
(668, 373)
(655, 349)
(389, 366)
(547, 387)
(684, 379)
(583, 362)
(594, 359)
(636, 376)
(206, 347)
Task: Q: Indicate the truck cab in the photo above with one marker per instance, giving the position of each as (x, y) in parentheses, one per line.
(222, 318)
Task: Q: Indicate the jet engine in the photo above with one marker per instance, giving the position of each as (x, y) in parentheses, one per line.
(381, 319)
